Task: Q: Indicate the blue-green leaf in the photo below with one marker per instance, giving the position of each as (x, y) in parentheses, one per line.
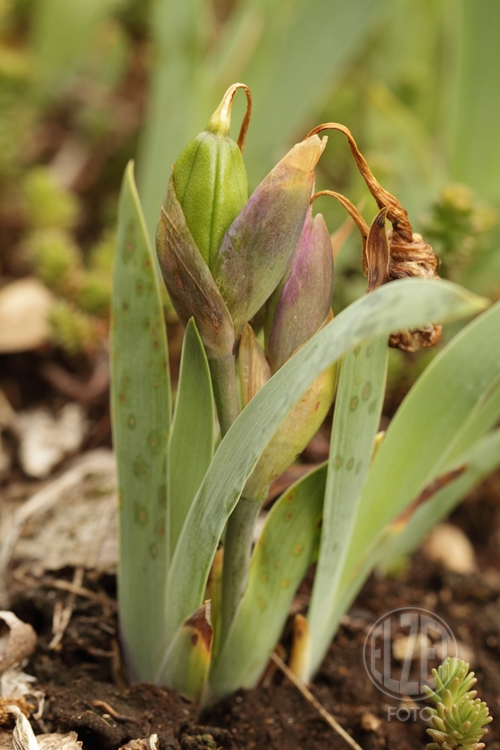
(279, 563)
(192, 436)
(140, 396)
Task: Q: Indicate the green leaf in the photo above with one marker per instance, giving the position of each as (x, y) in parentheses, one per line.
(400, 304)
(482, 418)
(356, 419)
(459, 371)
(177, 95)
(480, 460)
(291, 55)
(279, 562)
(391, 543)
(192, 435)
(62, 35)
(422, 435)
(472, 135)
(188, 661)
(140, 397)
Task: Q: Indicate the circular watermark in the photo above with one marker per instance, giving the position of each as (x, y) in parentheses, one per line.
(400, 648)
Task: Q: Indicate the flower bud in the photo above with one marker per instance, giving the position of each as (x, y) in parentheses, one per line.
(259, 244)
(188, 279)
(293, 434)
(210, 179)
(298, 427)
(300, 304)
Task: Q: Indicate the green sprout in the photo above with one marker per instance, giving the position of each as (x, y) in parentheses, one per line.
(459, 719)
(201, 605)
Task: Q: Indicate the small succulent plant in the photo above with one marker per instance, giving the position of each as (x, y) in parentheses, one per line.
(459, 719)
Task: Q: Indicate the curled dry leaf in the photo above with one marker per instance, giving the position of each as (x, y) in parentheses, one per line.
(19, 644)
(23, 737)
(409, 255)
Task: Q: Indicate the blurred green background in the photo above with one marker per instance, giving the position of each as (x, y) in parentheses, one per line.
(87, 84)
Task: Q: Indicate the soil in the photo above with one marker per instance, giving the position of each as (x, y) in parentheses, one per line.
(86, 691)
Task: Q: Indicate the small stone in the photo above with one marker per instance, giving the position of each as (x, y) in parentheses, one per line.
(24, 307)
(449, 546)
(370, 722)
(415, 646)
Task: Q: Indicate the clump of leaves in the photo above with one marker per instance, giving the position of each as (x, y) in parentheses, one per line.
(82, 285)
(201, 606)
(459, 719)
(48, 205)
(459, 225)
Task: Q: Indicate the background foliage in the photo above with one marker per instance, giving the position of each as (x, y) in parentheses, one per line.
(85, 85)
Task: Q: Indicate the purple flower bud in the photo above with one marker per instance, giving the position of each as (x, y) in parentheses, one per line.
(300, 304)
(258, 245)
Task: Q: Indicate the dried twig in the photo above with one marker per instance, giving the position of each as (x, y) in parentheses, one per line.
(72, 588)
(317, 705)
(62, 615)
(111, 711)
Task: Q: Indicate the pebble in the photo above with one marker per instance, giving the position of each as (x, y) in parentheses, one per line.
(418, 646)
(370, 722)
(449, 546)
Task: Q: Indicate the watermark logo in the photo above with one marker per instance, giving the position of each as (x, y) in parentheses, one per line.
(402, 647)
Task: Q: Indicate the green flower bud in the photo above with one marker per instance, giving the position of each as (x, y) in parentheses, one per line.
(222, 278)
(188, 280)
(210, 179)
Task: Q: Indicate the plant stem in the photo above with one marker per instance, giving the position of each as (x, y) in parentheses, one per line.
(225, 390)
(237, 549)
(239, 529)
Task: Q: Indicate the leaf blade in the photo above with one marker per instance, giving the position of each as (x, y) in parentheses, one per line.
(279, 563)
(192, 436)
(407, 303)
(480, 460)
(140, 396)
(414, 450)
(188, 661)
(356, 419)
